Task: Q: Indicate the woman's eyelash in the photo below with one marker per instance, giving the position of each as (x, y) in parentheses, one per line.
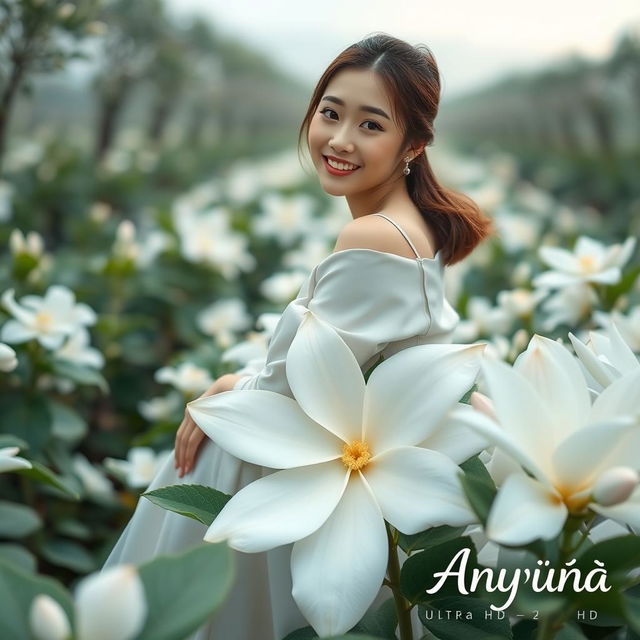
(330, 109)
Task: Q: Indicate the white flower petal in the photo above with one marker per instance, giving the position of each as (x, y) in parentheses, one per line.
(15, 333)
(325, 378)
(338, 570)
(588, 452)
(280, 508)
(417, 489)
(408, 395)
(13, 463)
(557, 377)
(264, 428)
(627, 512)
(111, 605)
(619, 398)
(602, 374)
(523, 511)
(47, 619)
(454, 438)
(495, 434)
(521, 410)
(558, 258)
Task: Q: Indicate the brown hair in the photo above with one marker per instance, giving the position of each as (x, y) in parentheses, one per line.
(411, 77)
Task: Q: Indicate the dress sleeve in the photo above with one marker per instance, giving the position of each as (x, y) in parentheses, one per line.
(370, 299)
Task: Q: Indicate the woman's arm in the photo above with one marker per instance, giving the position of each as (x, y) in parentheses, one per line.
(190, 437)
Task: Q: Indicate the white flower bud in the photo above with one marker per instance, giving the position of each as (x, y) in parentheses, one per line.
(126, 232)
(482, 403)
(48, 619)
(66, 10)
(8, 359)
(111, 605)
(16, 242)
(615, 485)
(35, 244)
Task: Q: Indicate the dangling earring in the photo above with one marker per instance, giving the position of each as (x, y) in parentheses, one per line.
(406, 169)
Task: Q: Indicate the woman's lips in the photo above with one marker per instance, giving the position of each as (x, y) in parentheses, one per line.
(337, 172)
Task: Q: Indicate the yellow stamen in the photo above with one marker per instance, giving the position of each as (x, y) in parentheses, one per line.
(43, 320)
(356, 455)
(587, 263)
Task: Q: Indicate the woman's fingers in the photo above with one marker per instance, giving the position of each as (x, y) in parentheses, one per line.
(193, 445)
(182, 437)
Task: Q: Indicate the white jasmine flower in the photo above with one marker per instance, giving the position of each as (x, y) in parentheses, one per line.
(547, 424)
(93, 480)
(519, 303)
(568, 306)
(161, 407)
(517, 231)
(282, 287)
(8, 358)
(32, 245)
(590, 261)
(185, 377)
(285, 218)
(223, 319)
(140, 467)
(47, 319)
(343, 471)
(482, 319)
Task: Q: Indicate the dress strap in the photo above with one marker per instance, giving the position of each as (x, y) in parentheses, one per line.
(406, 237)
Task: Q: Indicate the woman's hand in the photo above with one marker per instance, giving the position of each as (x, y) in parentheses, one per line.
(190, 437)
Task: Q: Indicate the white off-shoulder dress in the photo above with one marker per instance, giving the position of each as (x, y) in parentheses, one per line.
(379, 303)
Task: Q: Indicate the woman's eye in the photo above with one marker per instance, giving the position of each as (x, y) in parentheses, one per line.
(375, 124)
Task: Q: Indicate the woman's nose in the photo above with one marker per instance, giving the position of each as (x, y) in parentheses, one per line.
(340, 143)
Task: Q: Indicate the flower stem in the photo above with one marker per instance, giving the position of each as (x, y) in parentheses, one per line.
(403, 607)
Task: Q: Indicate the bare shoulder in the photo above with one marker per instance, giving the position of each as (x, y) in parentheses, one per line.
(373, 232)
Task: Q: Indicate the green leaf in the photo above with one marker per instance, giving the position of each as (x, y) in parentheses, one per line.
(28, 418)
(18, 588)
(193, 500)
(184, 589)
(478, 487)
(18, 556)
(68, 554)
(42, 474)
(619, 555)
(9, 440)
(467, 617)
(67, 424)
(17, 520)
(570, 632)
(304, 633)
(418, 571)
(380, 622)
(80, 374)
(429, 538)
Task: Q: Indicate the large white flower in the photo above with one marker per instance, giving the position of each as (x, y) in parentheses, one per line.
(563, 444)
(591, 261)
(47, 319)
(349, 460)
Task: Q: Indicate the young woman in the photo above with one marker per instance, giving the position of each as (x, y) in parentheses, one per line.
(369, 120)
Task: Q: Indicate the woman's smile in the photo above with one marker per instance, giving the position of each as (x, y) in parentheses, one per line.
(341, 168)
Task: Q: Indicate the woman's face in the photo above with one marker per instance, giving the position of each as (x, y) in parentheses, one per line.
(368, 137)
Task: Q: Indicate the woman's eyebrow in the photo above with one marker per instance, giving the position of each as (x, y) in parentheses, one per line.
(363, 107)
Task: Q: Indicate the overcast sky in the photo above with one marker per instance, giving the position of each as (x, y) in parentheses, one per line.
(473, 41)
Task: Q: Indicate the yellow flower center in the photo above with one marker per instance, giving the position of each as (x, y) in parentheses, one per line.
(356, 455)
(587, 263)
(43, 321)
